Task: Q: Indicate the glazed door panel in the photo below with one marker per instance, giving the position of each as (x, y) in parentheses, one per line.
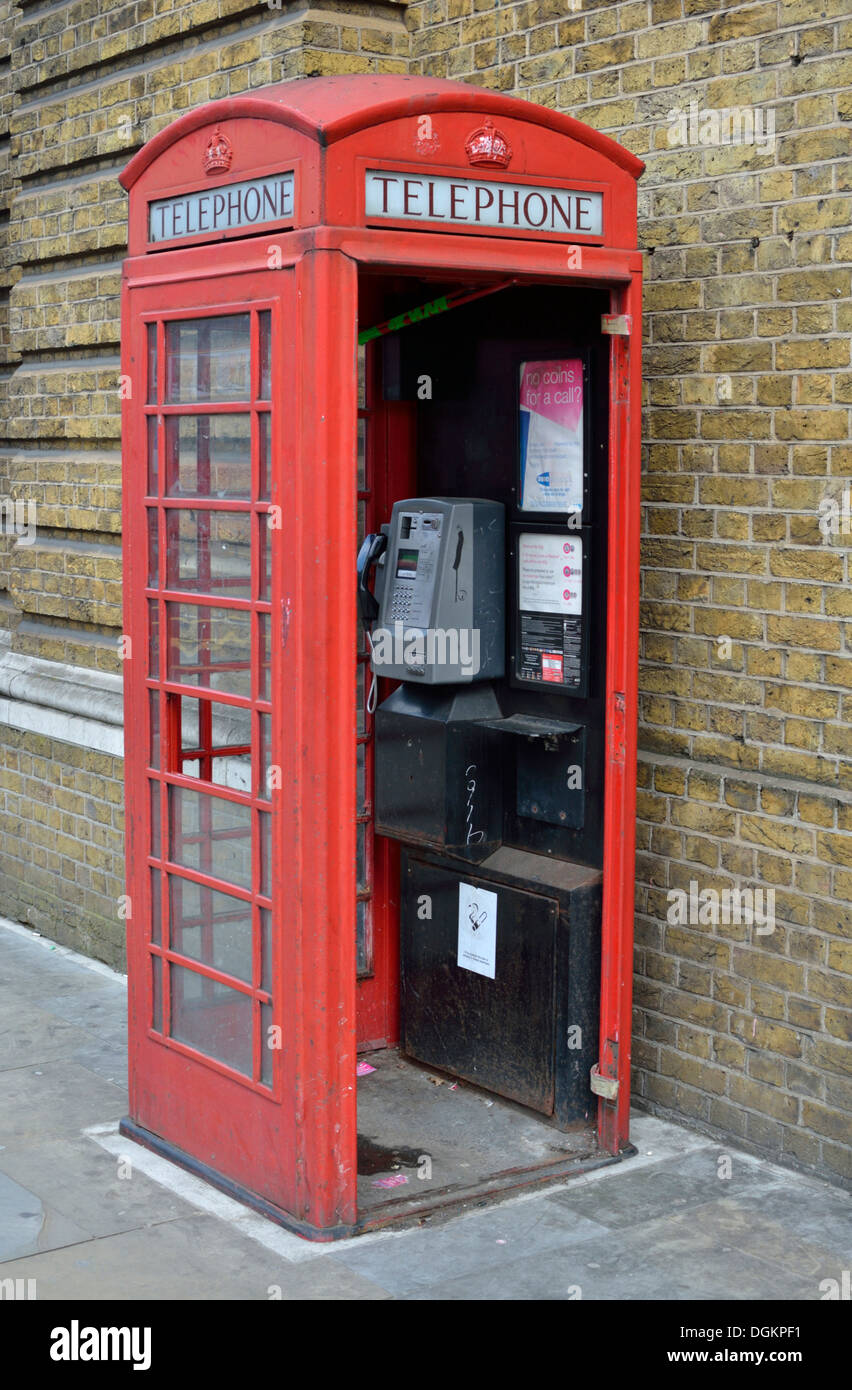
(211, 368)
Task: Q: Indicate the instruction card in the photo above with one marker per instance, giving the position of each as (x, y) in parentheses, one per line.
(551, 436)
(477, 930)
(550, 573)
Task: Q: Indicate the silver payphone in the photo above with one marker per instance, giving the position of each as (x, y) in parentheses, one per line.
(438, 611)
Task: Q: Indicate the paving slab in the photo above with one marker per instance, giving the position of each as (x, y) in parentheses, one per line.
(467, 1245)
(721, 1250)
(196, 1258)
(624, 1267)
(38, 1103)
(28, 1225)
(678, 1183)
(100, 1011)
(101, 1193)
(29, 1035)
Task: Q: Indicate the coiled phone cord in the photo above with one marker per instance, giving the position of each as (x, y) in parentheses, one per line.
(372, 694)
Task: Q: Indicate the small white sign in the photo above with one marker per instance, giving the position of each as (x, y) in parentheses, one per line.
(477, 930)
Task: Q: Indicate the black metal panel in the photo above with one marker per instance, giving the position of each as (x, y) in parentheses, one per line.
(552, 779)
(458, 1021)
(438, 773)
(496, 1033)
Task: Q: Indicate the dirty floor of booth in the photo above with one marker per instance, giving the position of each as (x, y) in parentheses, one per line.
(427, 1141)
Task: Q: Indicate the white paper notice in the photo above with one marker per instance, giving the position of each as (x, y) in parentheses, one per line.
(550, 573)
(477, 930)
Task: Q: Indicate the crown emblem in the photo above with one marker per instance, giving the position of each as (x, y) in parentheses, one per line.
(219, 153)
(488, 146)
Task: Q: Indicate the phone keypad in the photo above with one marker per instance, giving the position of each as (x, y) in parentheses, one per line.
(400, 604)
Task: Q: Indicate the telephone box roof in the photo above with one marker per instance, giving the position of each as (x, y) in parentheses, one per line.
(327, 109)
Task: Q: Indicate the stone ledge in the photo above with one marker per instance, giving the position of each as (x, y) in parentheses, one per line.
(68, 703)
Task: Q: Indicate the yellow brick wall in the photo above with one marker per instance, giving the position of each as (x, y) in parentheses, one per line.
(746, 766)
(61, 843)
(745, 772)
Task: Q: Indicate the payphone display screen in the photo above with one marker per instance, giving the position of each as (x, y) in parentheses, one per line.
(406, 564)
(550, 647)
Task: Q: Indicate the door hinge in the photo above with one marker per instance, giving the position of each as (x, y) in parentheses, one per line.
(619, 325)
(605, 1086)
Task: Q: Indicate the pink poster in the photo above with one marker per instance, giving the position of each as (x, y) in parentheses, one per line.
(551, 435)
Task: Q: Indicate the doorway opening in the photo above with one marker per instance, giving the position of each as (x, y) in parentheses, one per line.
(438, 417)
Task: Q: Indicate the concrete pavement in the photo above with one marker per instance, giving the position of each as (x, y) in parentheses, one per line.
(88, 1215)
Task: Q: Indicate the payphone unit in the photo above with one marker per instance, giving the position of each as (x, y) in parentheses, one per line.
(438, 607)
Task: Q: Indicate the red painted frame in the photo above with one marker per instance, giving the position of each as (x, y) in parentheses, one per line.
(294, 1149)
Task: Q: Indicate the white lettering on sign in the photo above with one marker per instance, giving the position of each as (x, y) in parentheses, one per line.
(248, 204)
(467, 202)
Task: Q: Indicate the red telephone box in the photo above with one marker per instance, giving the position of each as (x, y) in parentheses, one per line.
(340, 294)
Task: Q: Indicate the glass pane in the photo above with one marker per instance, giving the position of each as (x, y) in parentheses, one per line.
(154, 728)
(215, 742)
(265, 317)
(265, 949)
(208, 456)
(156, 907)
(263, 679)
(362, 374)
(362, 964)
(265, 557)
(362, 457)
(265, 853)
(361, 851)
(155, 819)
(210, 835)
(212, 1018)
(267, 1054)
(152, 364)
(157, 1010)
(209, 552)
(209, 647)
(361, 793)
(265, 469)
(153, 549)
(211, 927)
(267, 779)
(208, 359)
(153, 639)
(153, 469)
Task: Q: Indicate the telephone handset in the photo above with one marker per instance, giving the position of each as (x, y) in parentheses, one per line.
(372, 548)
